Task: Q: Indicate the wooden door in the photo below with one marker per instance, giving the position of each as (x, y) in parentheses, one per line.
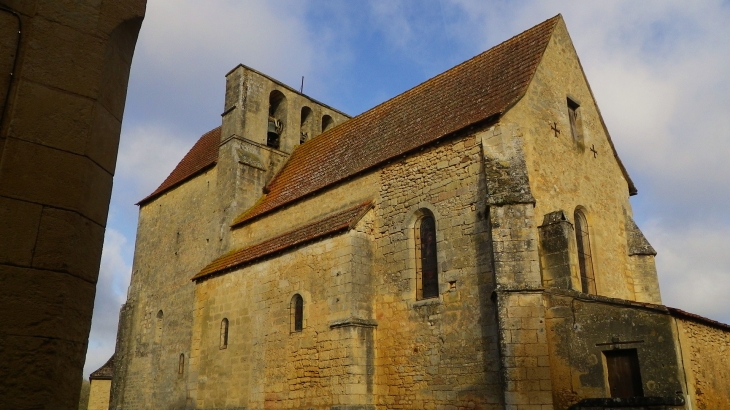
(624, 375)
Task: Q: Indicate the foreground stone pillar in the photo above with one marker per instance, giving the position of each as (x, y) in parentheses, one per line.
(59, 132)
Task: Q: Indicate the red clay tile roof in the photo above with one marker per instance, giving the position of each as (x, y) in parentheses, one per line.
(652, 306)
(331, 224)
(474, 91)
(697, 318)
(105, 372)
(202, 155)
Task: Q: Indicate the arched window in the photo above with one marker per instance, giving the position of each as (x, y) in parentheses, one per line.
(158, 327)
(585, 261)
(181, 364)
(224, 333)
(306, 125)
(327, 123)
(297, 313)
(277, 118)
(427, 263)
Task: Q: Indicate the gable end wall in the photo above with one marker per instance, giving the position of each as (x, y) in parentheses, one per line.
(563, 172)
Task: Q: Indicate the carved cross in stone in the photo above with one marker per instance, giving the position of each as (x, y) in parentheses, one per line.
(593, 149)
(554, 127)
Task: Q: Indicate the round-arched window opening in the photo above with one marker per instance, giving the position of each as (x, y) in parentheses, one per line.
(585, 257)
(427, 278)
(297, 313)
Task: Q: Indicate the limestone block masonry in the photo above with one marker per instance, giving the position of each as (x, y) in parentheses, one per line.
(99, 395)
(60, 117)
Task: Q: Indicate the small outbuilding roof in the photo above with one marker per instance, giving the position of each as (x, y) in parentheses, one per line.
(105, 372)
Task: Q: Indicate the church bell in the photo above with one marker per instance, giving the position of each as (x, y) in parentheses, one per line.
(273, 133)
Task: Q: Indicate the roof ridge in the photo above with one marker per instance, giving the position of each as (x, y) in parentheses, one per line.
(477, 89)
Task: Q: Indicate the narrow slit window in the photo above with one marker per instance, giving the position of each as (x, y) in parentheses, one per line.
(224, 334)
(573, 115)
(585, 258)
(158, 327)
(297, 308)
(181, 364)
(428, 263)
(624, 373)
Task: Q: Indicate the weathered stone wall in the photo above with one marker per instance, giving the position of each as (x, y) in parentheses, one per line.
(178, 233)
(436, 352)
(61, 117)
(581, 327)
(99, 394)
(705, 350)
(524, 350)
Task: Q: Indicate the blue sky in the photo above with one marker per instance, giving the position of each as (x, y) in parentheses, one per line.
(659, 70)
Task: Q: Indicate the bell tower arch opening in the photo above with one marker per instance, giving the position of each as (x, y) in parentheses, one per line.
(305, 127)
(327, 122)
(277, 119)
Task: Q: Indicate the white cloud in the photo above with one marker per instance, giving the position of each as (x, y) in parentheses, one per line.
(147, 155)
(694, 263)
(185, 39)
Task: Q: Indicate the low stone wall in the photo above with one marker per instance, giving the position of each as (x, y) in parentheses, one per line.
(705, 348)
(99, 394)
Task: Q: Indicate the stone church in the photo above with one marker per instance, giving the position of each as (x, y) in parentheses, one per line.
(468, 244)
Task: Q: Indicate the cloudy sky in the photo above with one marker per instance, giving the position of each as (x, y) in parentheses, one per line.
(659, 70)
